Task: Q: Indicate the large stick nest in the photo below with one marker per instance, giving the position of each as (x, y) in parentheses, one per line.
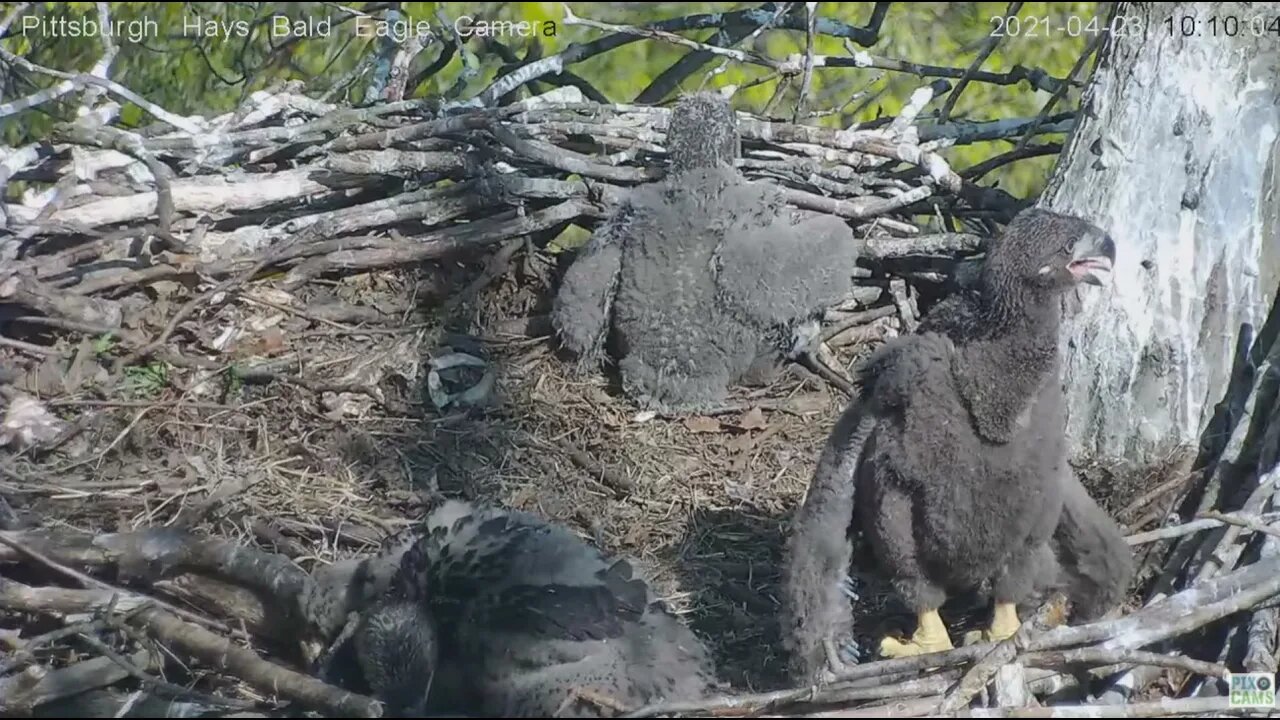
(292, 325)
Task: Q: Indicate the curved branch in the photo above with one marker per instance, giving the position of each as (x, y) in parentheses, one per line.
(83, 79)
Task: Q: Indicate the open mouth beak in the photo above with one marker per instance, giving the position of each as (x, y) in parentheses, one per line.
(1092, 270)
(1093, 262)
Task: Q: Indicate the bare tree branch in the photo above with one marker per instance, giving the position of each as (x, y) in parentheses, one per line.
(988, 46)
(975, 172)
(113, 87)
(1061, 90)
(811, 12)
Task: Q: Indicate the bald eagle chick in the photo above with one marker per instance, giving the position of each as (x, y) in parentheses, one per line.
(704, 280)
(502, 613)
(952, 460)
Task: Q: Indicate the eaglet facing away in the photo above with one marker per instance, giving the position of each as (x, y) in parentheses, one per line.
(497, 613)
(953, 460)
(704, 280)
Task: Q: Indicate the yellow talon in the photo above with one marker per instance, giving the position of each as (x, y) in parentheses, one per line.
(930, 637)
(1004, 623)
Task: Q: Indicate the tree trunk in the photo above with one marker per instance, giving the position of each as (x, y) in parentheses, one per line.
(1175, 154)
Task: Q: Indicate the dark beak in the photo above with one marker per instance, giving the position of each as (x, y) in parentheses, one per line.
(1093, 259)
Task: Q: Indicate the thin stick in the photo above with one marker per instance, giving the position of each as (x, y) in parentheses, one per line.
(13, 15)
(1244, 520)
(735, 702)
(215, 650)
(40, 97)
(98, 456)
(109, 52)
(27, 652)
(807, 78)
(1208, 521)
(744, 56)
(975, 172)
(179, 404)
(1221, 556)
(795, 64)
(1061, 92)
(1148, 497)
(293, 311)
(985, 669)
(988, 47)
(80, 327)
(266, 677)
(37, 350)
(1101, 657)
(35, 686)
(620, 484)
(862, 317)
(1165, 707)
(158, 685)
(731, 34)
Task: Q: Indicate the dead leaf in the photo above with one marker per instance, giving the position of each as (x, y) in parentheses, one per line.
(27, 422)
(266, 343)
(165, 288)
(272, 341)
(225, 338)
(272, 295)
(262, 323)
(345, 405)
(753, 419)
(703, 424)
(198, 464)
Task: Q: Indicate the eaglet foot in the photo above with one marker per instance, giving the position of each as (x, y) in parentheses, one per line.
(842, 655)
(1004, 623)
(930, 637)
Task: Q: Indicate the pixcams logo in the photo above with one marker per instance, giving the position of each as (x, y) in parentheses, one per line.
(1252, 689)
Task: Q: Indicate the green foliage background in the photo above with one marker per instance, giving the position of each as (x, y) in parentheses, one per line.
(210, 75)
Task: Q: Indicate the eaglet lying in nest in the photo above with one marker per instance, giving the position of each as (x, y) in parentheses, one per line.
(497, 613)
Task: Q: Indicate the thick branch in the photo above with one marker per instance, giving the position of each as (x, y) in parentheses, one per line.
(25, 691)
(887, 248)
(214, 650)
(220, 653)
(40, 297)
